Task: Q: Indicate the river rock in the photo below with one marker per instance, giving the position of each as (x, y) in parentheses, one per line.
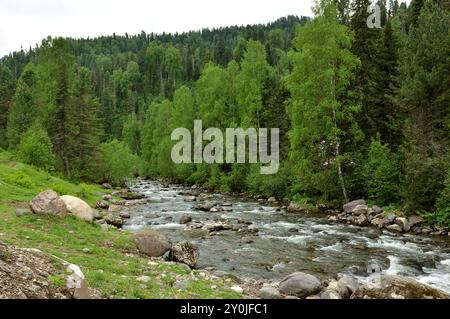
(300, 284)
(48, 202)
(377, 210)
(396, 287)
(125, 215)
(102, 204)
(78, 208)
(373, 269)
(114, 219)
(272, 201)
(350, 283)
(269, 292)
(362, 220)
(394, 228)
(185, 219)
(335, 290)
(107, 197)
(206, 207)
(190, 199)
(348, 208)
(185, 253)
(403, 223)
(415, 220)
(360, 210)
(152, 243)
(384, 223)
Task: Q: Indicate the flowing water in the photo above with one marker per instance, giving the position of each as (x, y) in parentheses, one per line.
(289, 242)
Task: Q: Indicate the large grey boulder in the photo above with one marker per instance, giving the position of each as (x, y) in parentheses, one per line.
(300, 284)
(48, 202)
(78, 208)
(152, 243)
(350, 206)
(396, 287)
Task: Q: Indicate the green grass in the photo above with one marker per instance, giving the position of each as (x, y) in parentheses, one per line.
(111, 263)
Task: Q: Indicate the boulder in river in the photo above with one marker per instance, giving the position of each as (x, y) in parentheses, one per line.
(152, 243)
(185, 219)
(300, 208)
(48, 202)
(78, 208)
(206, 207)
(186, 253)
(394, 228)
(300, 284)
(348, 208)
(396, 287)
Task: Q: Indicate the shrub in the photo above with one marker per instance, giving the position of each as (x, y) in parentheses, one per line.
(36, 148)
(19, 179)
(443, 204)
(118, 163)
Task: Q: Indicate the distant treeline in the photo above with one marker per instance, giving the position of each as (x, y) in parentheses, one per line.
(363, 112)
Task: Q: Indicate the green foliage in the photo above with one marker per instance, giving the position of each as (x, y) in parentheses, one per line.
(131, 134)
(36, 148)
(20, 179)
(443, 203)
(118, 163)
(381, 174)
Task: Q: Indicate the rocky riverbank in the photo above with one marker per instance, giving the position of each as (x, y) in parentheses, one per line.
(116, 209)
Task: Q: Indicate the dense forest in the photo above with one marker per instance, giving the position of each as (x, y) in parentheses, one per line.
(362, 112)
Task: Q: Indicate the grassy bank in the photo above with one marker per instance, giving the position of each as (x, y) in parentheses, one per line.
(108, 258)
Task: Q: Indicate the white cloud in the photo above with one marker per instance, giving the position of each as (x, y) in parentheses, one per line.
(24, 23)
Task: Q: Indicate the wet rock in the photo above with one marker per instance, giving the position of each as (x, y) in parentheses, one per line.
(396, 287)
(214, 227)
(206, 207)
(300, 284)
(22, 212)
(185, 253)
(348, 208)
(360, 210)
(48, 202)
(78, 208)
(127, 195)
(394, 228)
(190, 199)
(403, 223)
(269, 292)
(152, 243)
(185, 219)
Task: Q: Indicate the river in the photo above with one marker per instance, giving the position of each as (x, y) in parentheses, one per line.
(287, 242)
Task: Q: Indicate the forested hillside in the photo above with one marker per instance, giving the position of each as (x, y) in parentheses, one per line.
(362, 112)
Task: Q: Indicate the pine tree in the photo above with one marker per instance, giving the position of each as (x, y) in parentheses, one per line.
(25, 107)
(425, 98)
(7, 89)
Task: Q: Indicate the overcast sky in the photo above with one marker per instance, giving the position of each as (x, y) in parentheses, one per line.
(27, 22)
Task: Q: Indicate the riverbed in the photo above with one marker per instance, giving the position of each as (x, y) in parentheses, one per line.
(287, 242)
